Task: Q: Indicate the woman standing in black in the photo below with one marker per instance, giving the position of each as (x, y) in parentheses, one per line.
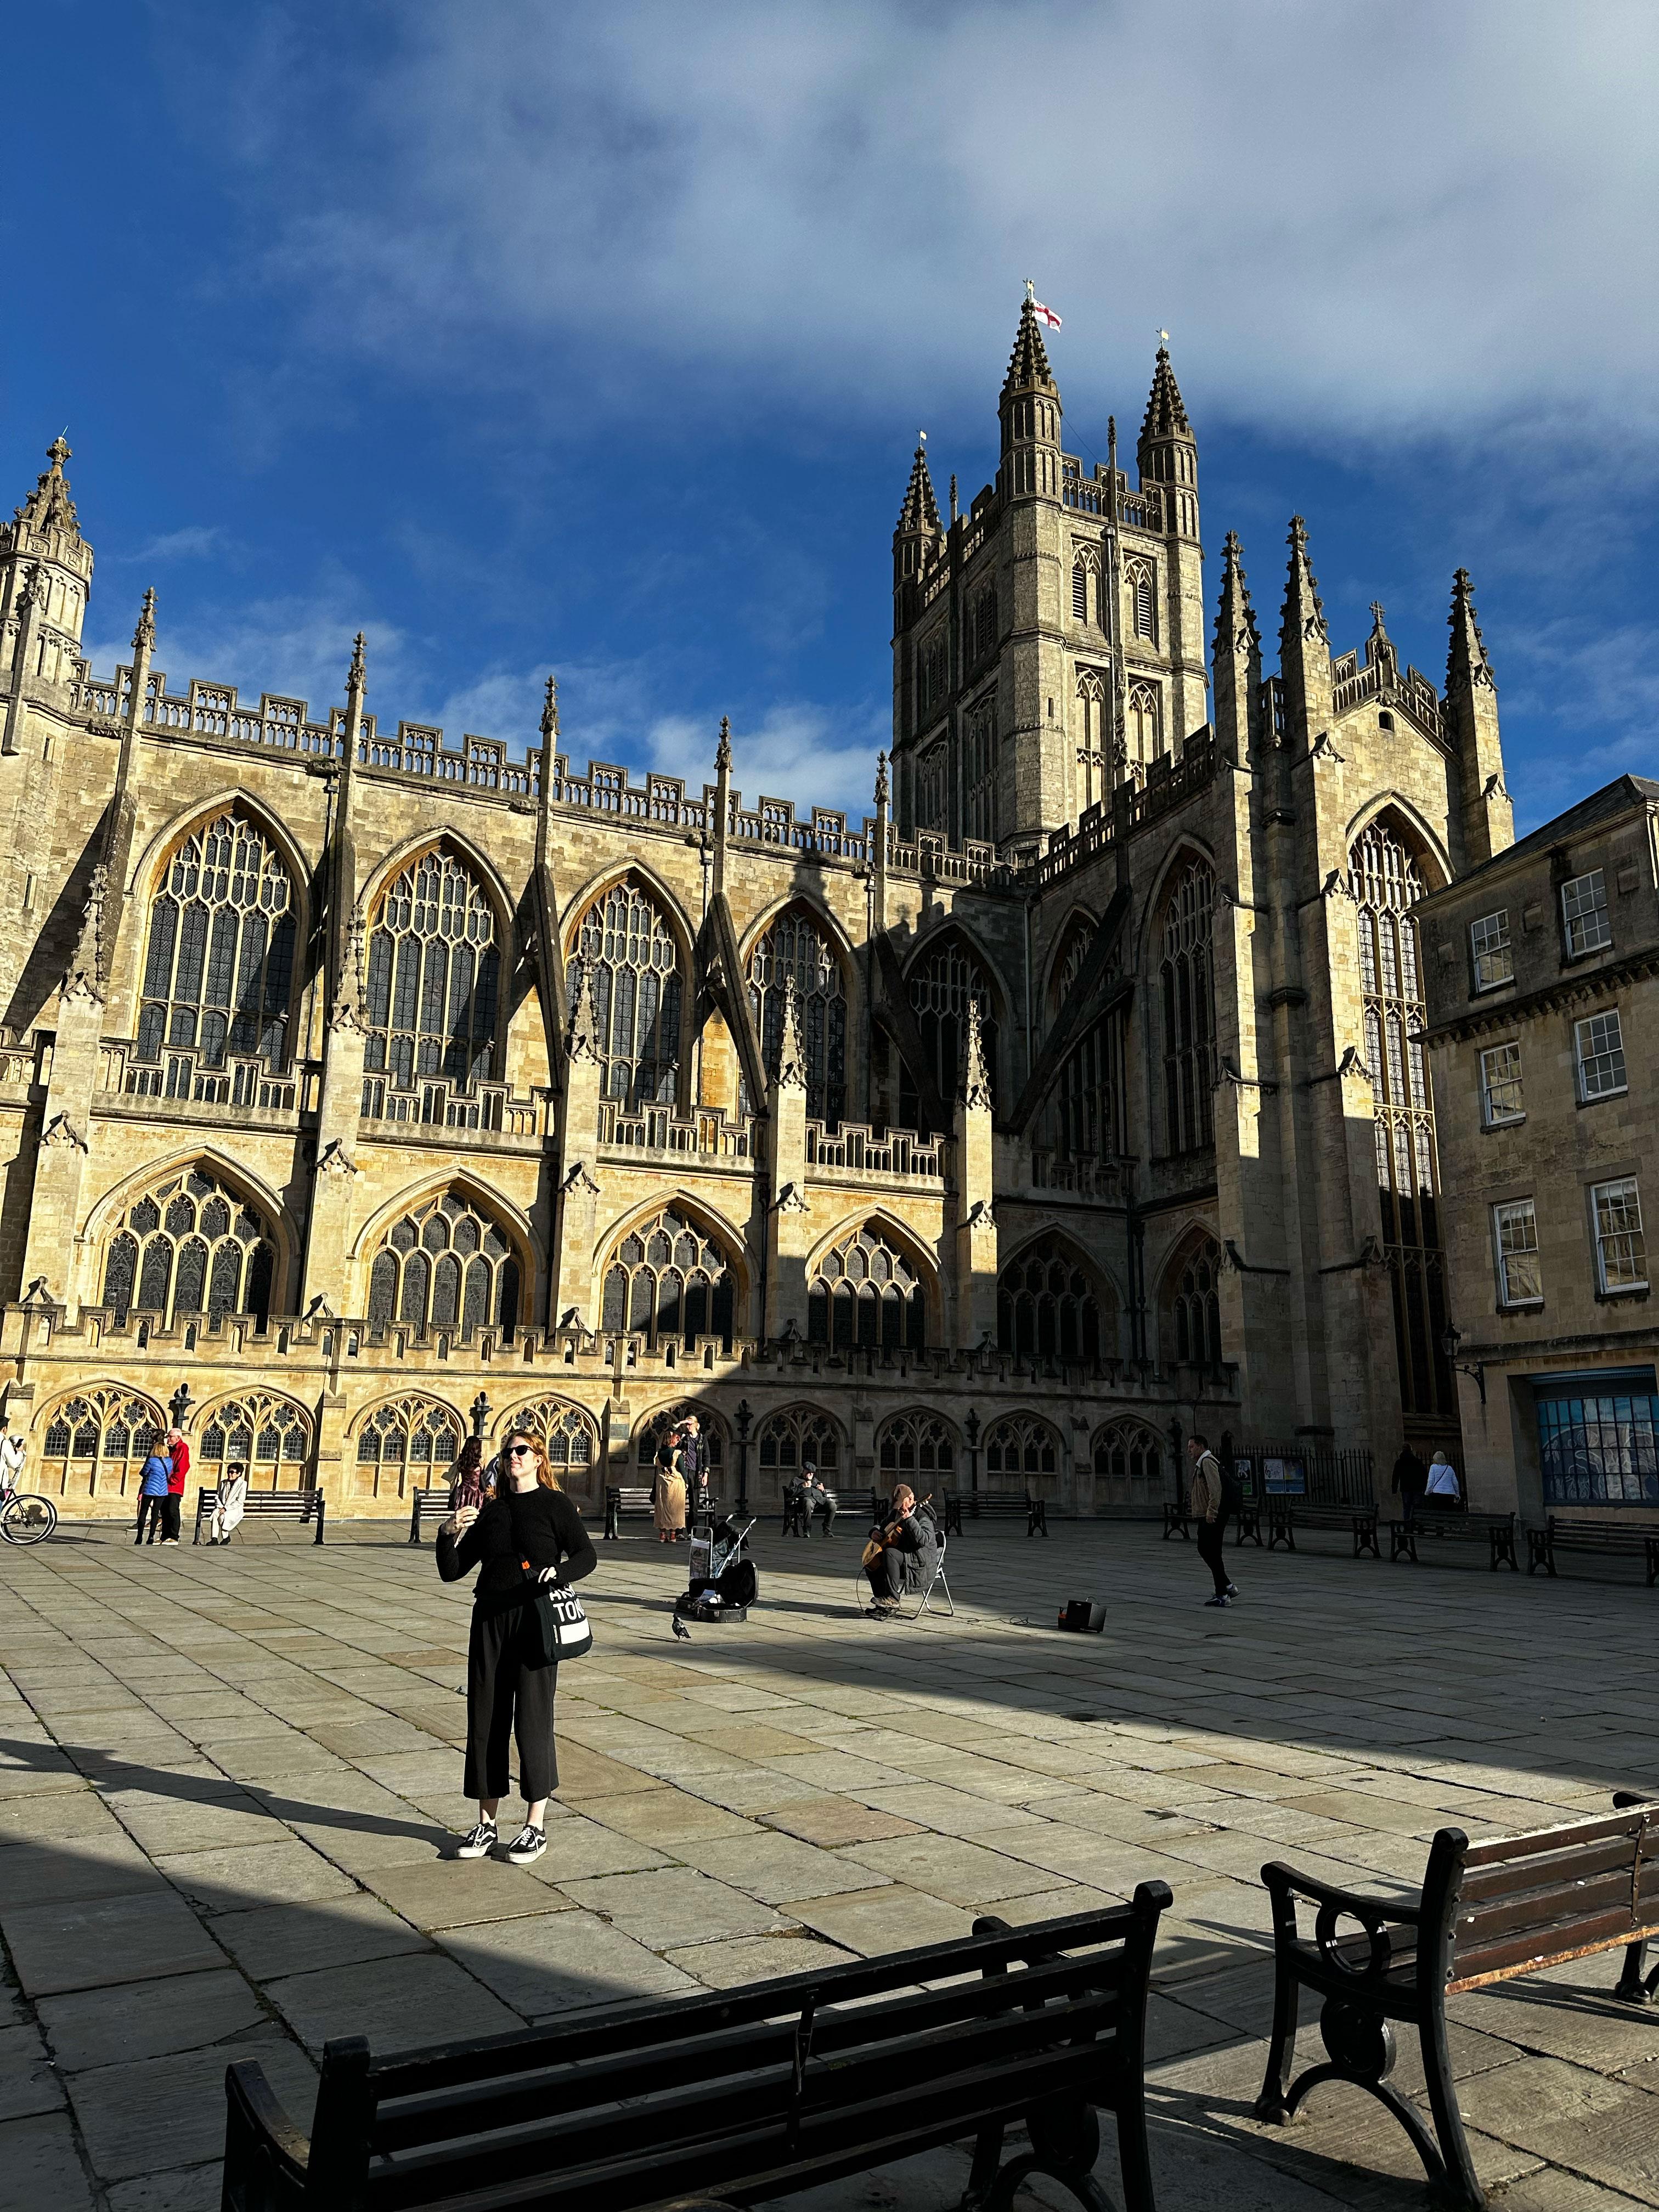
(529, 1533)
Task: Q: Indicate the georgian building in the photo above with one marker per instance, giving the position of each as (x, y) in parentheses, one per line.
(356, 1079)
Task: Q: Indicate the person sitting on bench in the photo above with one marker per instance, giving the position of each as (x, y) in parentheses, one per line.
(816, 1502)
(903, 1555)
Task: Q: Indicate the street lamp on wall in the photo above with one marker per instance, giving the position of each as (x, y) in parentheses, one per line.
(1449, 1343)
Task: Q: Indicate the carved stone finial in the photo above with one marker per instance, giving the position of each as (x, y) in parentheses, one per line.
(57, 453)
(975, 1075)
(356, 676)
(581, 1040)
(881, 791)
(551, 708)
(723, 750)
(143, 638)
(792, 1048)
(83, 978)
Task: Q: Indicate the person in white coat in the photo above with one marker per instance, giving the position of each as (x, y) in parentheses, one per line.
(13, 1452)
(1442, 1493)
(230, 1503)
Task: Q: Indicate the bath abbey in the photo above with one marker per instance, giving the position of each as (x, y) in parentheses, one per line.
(363, 1087)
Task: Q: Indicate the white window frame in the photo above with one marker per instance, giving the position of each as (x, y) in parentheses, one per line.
(1602, 1057)
(1584, 901)
(1619, 1188)
(1516, 1213)
(1495, 947)
(1505, 1117)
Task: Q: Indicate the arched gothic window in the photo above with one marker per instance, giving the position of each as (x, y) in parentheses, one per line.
(571, 1438)
(416, 1433)
(650, 1434)
(1140, 581)
(1017, 1447)
(1192, 1313)
(979, 773)
(1386, 884)
(670, 1282)
(95, 1443)
(1129, 1465)
(796, 946)
(1094, 750)
(867, 1292)
(434, 976)
(1048, 1308)
(219, 970)
(1145, 733)
(446, 1265)
(1188, 993)
(940, 987)
(189, 1245)
(271, 1436)
(1082, 1115)
(789, 1439)
(912, 1447)
(630, 965)
(1085, 585)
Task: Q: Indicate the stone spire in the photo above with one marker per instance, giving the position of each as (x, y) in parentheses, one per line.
(1379, 646)
(918, 533)
(1030, 411)
(551, 721)
(722, 801)
(1471, 725)
(792, 1046)
(1167, 452)
(1237, 659)
(49, 506)
(1305, 648)
(143, 638)
(1166, 413)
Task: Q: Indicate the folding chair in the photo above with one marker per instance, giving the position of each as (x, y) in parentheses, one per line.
(938, 1582)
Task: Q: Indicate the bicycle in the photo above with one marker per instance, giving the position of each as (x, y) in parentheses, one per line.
(25, 1517)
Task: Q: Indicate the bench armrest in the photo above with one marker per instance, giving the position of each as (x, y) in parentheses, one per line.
(260, 2133)
(1286, 1885)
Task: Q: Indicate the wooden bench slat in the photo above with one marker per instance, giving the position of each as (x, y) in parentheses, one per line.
(1500, 1849)
(1503, 1962)
(1558, 1905)
(1513, 1877)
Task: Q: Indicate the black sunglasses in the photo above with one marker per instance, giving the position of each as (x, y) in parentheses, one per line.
(521, 1451)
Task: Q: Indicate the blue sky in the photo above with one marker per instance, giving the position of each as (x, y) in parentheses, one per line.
(521, 336)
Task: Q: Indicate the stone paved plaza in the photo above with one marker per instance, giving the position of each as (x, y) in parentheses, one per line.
(228, 1781)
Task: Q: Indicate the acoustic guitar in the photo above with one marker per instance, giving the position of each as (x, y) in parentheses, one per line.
(881, 1540)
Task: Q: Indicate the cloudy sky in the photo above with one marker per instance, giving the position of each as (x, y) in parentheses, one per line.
(524, 336)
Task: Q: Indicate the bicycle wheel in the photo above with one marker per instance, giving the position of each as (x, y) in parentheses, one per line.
(26, 1520)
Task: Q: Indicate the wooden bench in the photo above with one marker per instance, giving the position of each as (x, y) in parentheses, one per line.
(1487, 1913)
(1495, 1530)
(997, 1505)
(1638, 1540)
(300, 1505)
(627, 1502)
(761, 2091)
(798, 1520)
(1246, 1522)
(434, 1501)
(1286, 1514)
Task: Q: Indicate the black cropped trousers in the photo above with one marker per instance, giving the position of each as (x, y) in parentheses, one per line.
(509, 1701)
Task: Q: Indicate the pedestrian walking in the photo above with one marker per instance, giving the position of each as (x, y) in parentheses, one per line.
(153, 1480)
(13, 1453)
(178, 1451)
(1208, 1506)
(528, 1534)
(1411, 1480)
(466, 1477)
(668, 1494)
(229, 1503)
(1443, 1489)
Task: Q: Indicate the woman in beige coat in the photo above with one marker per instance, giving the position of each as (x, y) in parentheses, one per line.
(668, 1503)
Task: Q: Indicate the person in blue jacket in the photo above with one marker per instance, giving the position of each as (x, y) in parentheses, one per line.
(153, 1495)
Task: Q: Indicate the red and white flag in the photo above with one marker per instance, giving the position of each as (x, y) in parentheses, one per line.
(1045, 315)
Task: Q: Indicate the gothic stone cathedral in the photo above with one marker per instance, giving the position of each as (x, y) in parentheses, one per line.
(356, 1080)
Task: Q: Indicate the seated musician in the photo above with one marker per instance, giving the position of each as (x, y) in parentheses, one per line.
(909, 1552)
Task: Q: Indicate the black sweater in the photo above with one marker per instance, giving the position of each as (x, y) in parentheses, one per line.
(539, 1525)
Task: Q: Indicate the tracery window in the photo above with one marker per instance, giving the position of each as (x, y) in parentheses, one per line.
(931, 789)
(1386, 884)
(932, 666)
(866, 1292)
(917, 1446)
(1140, 581)
(1192, 1317)
(796, 946)
(189, 1245)
(571, 1438)
(712, 1429)
(982, 624)
(630, 965)
(670, 1282)
(1047, 1307)
(1094, 747)
(979, 779)
(789, 1439)
(434, 976)
(1082, 1115)
(446, 1265)
(1144, 725)
(1129, 1465)
(1085, 585)
(415, 1431)
(271, 1436)
(1017, 1446)
(96, 1442)
(219, 970)
(940, 987)
(1188, 992)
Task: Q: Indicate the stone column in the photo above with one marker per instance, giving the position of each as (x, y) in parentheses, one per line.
(789, 1216)
(576, 1226)
(974, 1149)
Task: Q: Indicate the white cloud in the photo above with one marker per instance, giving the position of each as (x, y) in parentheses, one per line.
(1419, 218)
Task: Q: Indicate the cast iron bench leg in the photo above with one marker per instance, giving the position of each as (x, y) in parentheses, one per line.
(1462, 2182)
(1631, 1987)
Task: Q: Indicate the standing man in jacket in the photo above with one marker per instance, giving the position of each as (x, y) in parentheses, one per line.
(178, 1451)
(1209, 1509)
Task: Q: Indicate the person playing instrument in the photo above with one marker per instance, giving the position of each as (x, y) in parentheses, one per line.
(906, 1553)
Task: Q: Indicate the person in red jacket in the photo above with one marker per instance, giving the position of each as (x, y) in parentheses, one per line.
(178, 1449)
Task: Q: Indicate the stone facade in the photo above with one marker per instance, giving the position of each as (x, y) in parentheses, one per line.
(1000, 1138)
(1544, 1006)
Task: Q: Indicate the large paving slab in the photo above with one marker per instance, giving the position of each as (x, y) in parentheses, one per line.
(229, 1798)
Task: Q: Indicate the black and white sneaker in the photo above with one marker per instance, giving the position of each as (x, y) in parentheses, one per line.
(1232, 1589)
(480, 1844)
(528, 1846)
(1217, 1600)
